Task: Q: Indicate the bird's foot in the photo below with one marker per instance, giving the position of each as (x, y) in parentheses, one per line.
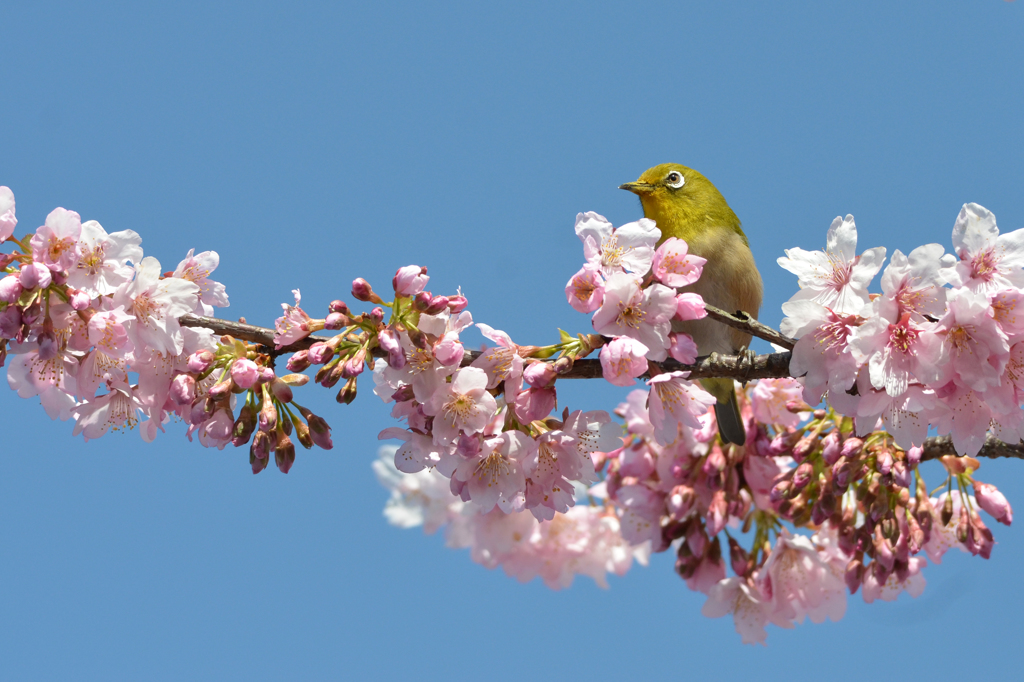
(747, 363)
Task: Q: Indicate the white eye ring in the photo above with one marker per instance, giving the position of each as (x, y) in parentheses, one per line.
(675, 180)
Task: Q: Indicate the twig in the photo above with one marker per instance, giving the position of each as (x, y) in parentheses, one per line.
(742, 321)
(993, 448)
(772, 365)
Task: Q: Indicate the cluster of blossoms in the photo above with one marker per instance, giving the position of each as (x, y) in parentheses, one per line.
(92, 328)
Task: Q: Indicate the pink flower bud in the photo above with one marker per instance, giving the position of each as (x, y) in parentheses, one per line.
(410, 280)
(852, 447)
(298, 362)
(831, 448)
(261, 445)
(539, 375)
(914, 456)
(841, 474)
(79, 299)
(281, 391)
(183, 389)
(10, 289)
(10, 322)
(347, 393)
(883, 461)
(979, 537)
(284, 455)
(377, 315)
(353, 366)
(421, 301)
(337, 306)
(992, 501)
(449, 351)
(804, 447)
(437, 305)
(320, 353)
(901, 474)
(690, 306)
(268, 416)
(267, 375)
(200, 361)
(60, 277)
(854, 575)
(680, 501)
(456, 304)
(682, 348)
(388, 340)
(244, 373)
(802, 476)
(221, 389)
(335, 321)
(35, 275)
(362, 291)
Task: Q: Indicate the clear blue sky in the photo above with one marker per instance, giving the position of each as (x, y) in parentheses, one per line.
(312, 145)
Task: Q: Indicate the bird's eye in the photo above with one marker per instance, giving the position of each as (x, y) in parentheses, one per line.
(675, 180)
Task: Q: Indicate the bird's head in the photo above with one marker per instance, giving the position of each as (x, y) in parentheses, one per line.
(679, 200)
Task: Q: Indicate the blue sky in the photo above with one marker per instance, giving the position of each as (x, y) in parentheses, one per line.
(312, 144)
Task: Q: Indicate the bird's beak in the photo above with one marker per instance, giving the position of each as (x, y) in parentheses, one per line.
(638, 188)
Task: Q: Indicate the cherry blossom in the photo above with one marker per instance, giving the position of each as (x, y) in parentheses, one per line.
(8, 221)
(55, 244)
(103, 265)
(156, 304)
(641, 314)
(673, 266)
(196, 268)
(629, 248)
(988, 261)
(675, 403)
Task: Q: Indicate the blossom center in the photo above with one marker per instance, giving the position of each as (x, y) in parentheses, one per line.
(459, 407)
(492, 466)
(612, 253)
(984, 265)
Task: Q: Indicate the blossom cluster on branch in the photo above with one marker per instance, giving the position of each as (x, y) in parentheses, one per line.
(93, 328)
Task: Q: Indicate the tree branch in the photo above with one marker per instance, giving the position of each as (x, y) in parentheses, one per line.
(770, 366)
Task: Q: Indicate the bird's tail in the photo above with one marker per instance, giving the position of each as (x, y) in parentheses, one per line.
(727, 410)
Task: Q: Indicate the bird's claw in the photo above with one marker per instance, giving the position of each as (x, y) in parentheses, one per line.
(747, 363)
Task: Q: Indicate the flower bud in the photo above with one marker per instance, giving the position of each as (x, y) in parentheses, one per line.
(421, 301)
(348, 392)
(330, 374)
(284, 455)
(353, 366)
(362, 291)
(336, 321)
(183, 389)
(456, 304)
(200, 361)
(946, 515)
(540, 375)
(437, 305)
(319, 430)
(854, 575)
(831, 447)
(268, 414)
(680, 501)
(281, 390)
(802, 476)
(244, 372)
(302, 434)
(992, 501)
(340, 307)
(410, 280)
(738, 557)
(79, 300)
(261, 445)
(48, 347)
(10, 289)
(10, 322)
(961, 525)
(781, 491)
(901, 474)
(320, 353)
(914, 456)
(852, 447)
(243, 427)
(255, 462)
(388, 340)
(563, 365)
(883, 461)
(35, 275)
(797, 406)
(377, 315)
(221, 389)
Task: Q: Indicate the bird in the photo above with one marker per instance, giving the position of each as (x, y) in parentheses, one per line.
(684, 204)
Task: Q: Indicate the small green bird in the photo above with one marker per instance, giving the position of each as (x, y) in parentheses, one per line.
(684, 204)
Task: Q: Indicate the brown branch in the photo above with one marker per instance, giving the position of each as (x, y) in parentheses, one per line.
(773, 365)
(940, 446)
(744, 322)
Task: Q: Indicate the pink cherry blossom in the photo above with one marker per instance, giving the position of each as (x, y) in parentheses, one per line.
(501, 362)
(464, 405)
(675, 402)
(118, 409)
(682, 348)
(623, 360)
(7, 219)
(197, 269)
(837, 277)
(897, 351)
(913, 284)
(244, 372)
(55, 244)
(295, 324)
(821, 355)
(673, 266)
(800, 583)
(975, 350)
(913, 584)
(748, 607)
(35, 275)
(496, 475)
(905, 416)
(629, 248)
(641, 314)
(585, 290)
(103, 266)
(156, 305)
(988, 261)
(770, 397)
(10, 289)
